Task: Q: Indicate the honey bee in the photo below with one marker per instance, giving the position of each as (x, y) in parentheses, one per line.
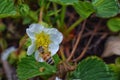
(45, 54)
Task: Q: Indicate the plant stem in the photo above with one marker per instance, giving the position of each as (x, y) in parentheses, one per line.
(7, 69)
(62, 54)
(20, 1)
(77, 41)
(74, 25)
(84, 50)
(63, 14)
(41, 14)
(87, 45)
(56, 14)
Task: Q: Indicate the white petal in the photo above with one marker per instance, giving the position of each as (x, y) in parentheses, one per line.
(36, 28)
(7, 52)
(33, 29)
(31, 49)
(30, 34)
(53, 48)
(55, 35)
(57, 78)
(37, 57)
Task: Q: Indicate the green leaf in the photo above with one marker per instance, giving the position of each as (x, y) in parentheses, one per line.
(22, 54)
(56, 59)
(84, 9)
(27, 20)
(27, 43)
(116, 68)
(117, 61)
(2, 27)
(30, 18)
(105, 8)
(24, 9)
(28, 67)
(64, 2)
(27, 14)
(42, 2)
(114, 24)
(92, 68)
(3, 43)
(33, 15)
(7, 8)
(52, 12)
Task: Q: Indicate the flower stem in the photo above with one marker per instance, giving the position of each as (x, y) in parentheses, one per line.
(20, 1)
(77, 41)
(40, 14)
(74, 25)
(62, 54)
(63, 14)
(56, 14)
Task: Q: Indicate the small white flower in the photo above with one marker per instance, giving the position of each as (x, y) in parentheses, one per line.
(5, 54)
(49, 38)
(57, 78)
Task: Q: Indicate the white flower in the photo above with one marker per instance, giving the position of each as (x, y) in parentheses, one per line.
(57, 78)
(48, 38)
(5, 54)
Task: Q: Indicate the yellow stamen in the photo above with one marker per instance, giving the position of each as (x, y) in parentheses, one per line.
(42, 39)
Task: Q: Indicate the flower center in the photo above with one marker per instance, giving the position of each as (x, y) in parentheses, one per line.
(42, 39)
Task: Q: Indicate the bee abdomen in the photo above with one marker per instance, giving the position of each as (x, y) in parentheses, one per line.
(50, 61)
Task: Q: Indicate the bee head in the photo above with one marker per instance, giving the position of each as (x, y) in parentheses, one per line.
(40, 49)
